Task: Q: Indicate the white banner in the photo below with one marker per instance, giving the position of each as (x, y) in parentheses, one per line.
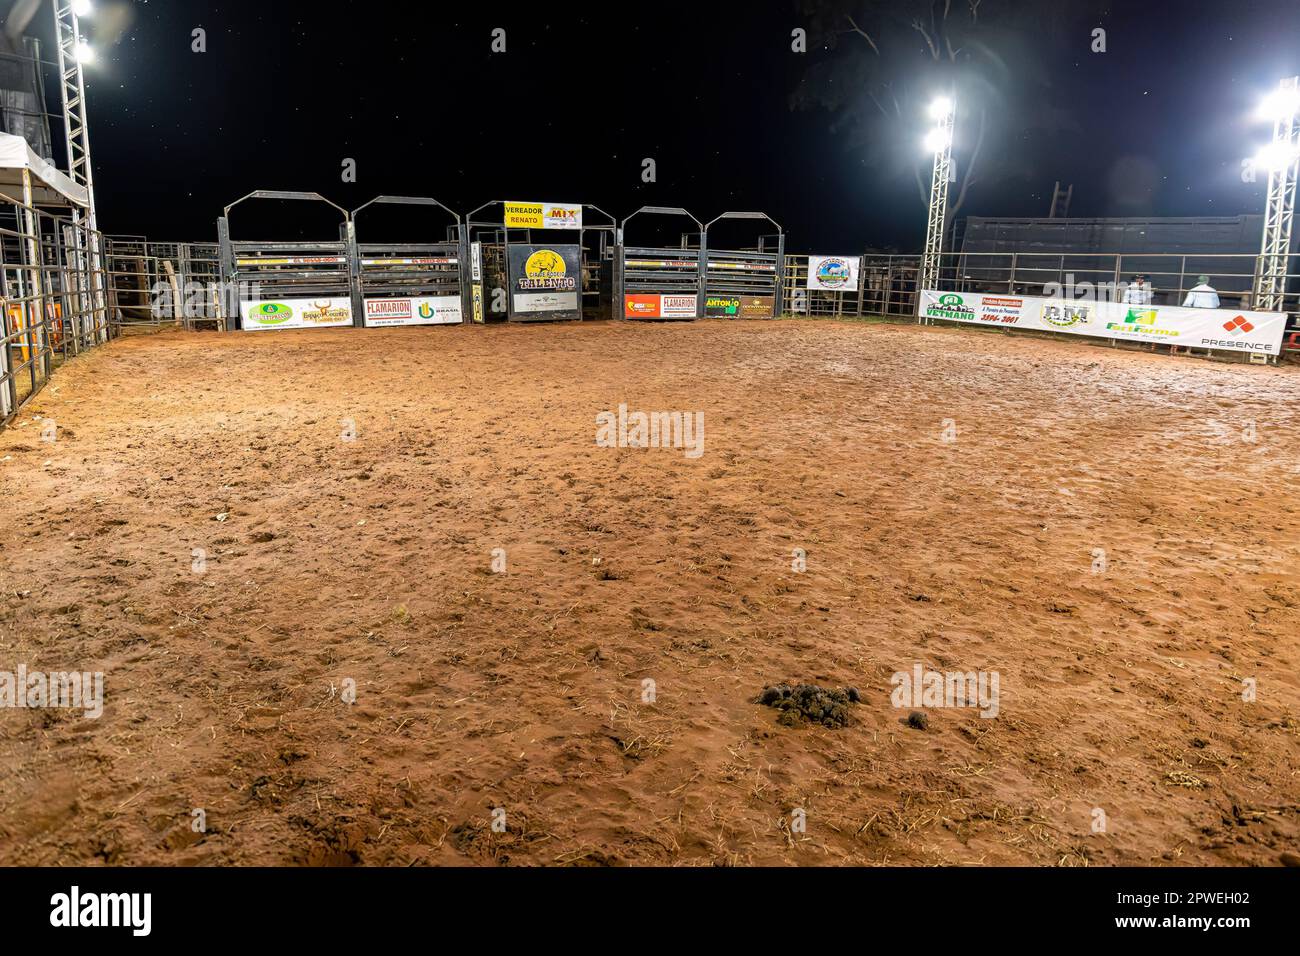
(545, 301)
(1226, 329)
(295, 313)
(833, 273)
(416, 310)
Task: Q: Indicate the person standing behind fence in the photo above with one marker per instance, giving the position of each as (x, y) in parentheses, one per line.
(1202, 295)
(1138, 292)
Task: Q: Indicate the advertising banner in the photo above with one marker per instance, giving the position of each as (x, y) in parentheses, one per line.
(1225, 329)
(545, 281)
(543, 215)
(757, 306)
(415, 310)
(833, 273)
(722, 306)
(656, 306)
(294, 261)
(295, 313)
(727, 306)
(412, 261)
(476, 294)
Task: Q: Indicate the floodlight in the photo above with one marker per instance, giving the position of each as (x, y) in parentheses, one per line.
(1282, 104)
(1277, 156)
(937, 140)
(941, 108)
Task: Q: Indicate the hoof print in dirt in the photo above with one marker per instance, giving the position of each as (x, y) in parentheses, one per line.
(917, 720)
(808, 703)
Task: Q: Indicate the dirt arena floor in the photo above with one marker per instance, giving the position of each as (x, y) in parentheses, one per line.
(1115, 533)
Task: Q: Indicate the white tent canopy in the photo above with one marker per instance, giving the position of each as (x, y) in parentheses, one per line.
(49, 186)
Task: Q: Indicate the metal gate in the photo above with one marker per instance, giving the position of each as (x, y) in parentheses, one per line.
(661, 282)
(744, 283)
(410, 283)
(286, 285)
(521, 271)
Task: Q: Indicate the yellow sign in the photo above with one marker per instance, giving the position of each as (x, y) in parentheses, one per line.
(543, 215)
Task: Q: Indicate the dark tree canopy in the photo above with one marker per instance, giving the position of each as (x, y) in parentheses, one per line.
(875, 66)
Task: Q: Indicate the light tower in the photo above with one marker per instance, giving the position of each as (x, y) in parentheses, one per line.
(1282, 159)
(73, 52)
(939, 142)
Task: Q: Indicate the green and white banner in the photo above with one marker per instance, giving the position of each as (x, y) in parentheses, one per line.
(312, 313)
(1225, 329)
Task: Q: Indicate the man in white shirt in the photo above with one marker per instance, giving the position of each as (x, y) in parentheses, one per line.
(1202, 295)
(1138, 292)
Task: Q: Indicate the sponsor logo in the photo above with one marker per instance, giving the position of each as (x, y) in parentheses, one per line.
(1235, 344)
(678, 305)
(326, 313)
(545, 269)
(388, 308)
(561, 216)
(1141, 322)
(950, 306)
(833, 273)
(425, 311)
(727, 305)
(1065, 316)
(641, 306)
(1239, 325)
(270, 313)
(757, 306)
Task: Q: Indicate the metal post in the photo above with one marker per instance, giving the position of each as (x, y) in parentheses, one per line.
(228, 298)
(36, 318)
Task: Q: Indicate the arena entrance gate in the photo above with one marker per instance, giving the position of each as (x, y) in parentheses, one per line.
(286, 285)
(661, 282)
(526, 267)
(397, 283)
(744, 283)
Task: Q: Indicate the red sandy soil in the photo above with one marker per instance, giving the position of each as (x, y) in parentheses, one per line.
(370, 561)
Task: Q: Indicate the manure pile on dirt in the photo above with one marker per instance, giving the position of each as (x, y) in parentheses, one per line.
(808, 703)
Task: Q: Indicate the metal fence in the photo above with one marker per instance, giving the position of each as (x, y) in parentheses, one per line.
(886, 287)
(887, 283)
(54, 305)
(52, 301)
(151, 284)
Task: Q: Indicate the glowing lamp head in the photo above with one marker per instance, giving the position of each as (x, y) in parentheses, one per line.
(82, 8)
(937, 140)
(941, 108)
(1282, 104)
(1276, 157)
(84, 52)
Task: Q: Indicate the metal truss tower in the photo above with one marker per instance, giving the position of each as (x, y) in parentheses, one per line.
(1279, 210)
(941, 141)
(72, 91)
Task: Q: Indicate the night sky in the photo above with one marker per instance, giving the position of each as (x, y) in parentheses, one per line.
(1157, 125)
